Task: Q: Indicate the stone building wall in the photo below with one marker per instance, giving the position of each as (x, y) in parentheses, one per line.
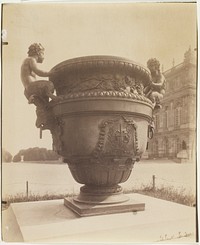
(175, 123)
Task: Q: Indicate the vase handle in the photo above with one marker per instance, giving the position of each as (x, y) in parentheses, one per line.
(151, 130)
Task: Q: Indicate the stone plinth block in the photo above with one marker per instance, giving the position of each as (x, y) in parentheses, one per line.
(51, 221)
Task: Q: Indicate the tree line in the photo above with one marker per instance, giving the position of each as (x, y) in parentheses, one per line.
(31, 154)
(6, 156)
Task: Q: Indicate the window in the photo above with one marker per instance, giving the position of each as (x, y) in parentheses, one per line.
(155, 148)
(165, 120)
(184, 146)
(171, 115)
(177, 145)
(177, 117)
(157, 122)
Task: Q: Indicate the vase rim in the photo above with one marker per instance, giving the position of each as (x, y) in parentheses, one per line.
(96, 58)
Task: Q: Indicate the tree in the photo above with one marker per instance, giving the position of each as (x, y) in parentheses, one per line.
(6, 156)
(17, 158)
(36, 154)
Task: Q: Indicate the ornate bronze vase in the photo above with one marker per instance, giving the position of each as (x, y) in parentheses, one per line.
(101, 127)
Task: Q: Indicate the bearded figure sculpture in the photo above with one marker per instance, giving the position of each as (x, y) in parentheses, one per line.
(36, 91)
(156, 89)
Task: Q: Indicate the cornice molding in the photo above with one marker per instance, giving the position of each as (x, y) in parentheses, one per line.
(177, 69)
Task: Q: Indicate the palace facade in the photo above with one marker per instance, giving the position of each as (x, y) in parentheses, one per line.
(175, 123)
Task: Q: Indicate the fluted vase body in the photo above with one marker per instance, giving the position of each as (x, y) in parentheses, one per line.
(102, 122)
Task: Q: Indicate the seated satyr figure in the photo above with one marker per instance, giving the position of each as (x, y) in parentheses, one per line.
(156, 89)
(36, 91)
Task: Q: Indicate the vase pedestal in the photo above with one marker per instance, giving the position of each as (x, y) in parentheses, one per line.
(98, 200)
(86, 209)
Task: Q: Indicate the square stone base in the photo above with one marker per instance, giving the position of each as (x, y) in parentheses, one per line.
(52, 222)
(83, 209)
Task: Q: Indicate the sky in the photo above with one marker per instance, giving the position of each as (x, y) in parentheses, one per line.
(137, 31)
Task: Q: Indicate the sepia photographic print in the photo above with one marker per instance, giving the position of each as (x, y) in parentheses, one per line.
(99, 130)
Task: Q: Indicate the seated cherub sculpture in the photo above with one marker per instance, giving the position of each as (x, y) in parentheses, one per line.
(156, 89)
(36, 91)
